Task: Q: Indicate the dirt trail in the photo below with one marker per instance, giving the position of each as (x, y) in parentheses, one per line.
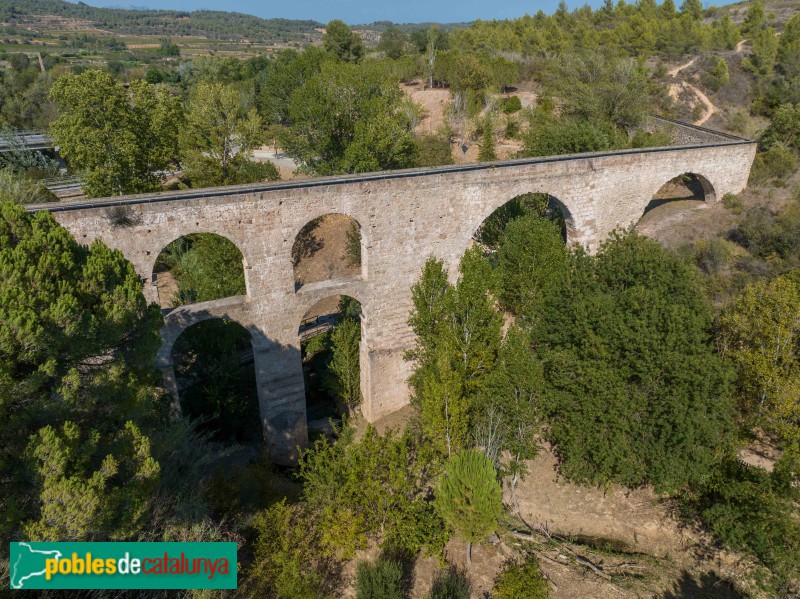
(674, 72)
(740, 46)
(675, 89)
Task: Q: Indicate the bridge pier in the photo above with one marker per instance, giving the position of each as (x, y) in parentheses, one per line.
(281, 399)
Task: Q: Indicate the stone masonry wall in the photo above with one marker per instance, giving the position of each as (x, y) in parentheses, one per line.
(405, 217)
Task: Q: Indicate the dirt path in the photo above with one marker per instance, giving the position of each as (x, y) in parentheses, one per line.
(675, 89)
(740, 46)
(674, 72)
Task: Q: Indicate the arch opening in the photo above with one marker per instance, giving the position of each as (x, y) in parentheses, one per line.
(543, 205)
(682, 193)
(330, 247)
(216, 380)
(198, 267)
(330, 342)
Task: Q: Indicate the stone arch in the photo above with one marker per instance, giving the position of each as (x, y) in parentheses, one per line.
(683, 191)
(701, 182)
(330, 246)
(555, 205)
(210, 358)
(322, 317)
(154, 265)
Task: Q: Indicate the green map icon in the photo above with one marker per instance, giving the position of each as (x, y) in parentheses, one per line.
(27, 563)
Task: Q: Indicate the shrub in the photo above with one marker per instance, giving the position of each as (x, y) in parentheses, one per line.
(512, 129)
(711, 255)
(553, 137)
(451, 583)
(433, 150)
(381, 580)
(774, 165)
(521, 581)
(733, 203)
(468, 496)
(511, 105)
(752, 510)
(716, 76)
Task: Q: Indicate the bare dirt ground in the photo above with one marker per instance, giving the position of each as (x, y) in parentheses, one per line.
(675, 92)
(670, 207)
(325, 257)
(435, 102)
(323, 254)
(640, 548)
(167, 287)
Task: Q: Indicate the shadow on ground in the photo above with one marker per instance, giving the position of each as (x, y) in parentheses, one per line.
(704, 586)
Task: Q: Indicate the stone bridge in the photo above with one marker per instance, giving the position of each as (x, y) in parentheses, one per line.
(404, 217)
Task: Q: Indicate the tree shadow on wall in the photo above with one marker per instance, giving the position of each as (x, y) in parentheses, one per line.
(703, 586)
(307, 243)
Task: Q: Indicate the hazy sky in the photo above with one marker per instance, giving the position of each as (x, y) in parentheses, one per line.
(366, 11)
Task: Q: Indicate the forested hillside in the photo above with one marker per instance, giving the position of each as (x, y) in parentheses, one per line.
(207, 23)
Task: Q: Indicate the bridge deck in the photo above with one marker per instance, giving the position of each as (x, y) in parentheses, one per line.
(694, 136)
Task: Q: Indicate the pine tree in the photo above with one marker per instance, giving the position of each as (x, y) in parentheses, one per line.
(486, 152)
(468, 497)
(345, 380)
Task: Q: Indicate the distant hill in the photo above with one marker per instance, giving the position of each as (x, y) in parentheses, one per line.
(202, 23)
(780, 11)
(42, 15)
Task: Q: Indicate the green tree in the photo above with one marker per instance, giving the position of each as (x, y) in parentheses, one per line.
(166, 47)
(218, 138)
(468, 497)
(206, 267)
(636, 391)
(289, 71)
(79, 503)
(532, 261)
(394, 43)
(760, 333)
(692, 8)
(486, 152)
(343, 41)
(345, 380)
(356, 490)
(755, 18)
(458, 339)
(511, 409)
(77, 341)
(286, 555)
(348, 118)
(119, 138)
(599, 89)
(784, 128)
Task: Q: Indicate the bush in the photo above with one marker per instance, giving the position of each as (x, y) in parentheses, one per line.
(554, 137)
(512, 129)
(752, 510)
(433, 150)
(511, 105)
(711, 255)
(774, 165)
(717, 76)
(381, 580)
(764, 234)
(451, 583)
(521, 581)
(733, 203)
